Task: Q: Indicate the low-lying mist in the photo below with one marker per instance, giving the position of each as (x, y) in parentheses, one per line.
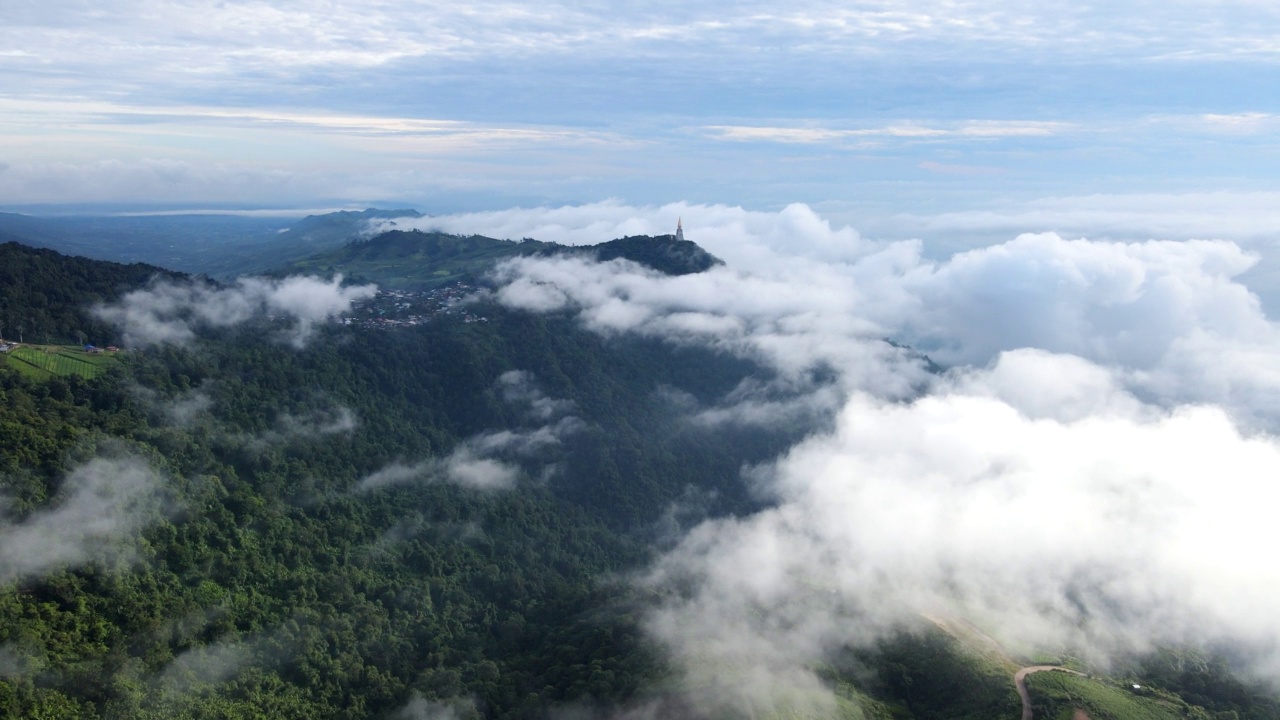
(1095, 468)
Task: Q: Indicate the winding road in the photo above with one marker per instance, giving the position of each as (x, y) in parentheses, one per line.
(1020, 679)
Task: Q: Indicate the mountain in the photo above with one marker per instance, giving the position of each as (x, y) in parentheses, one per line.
(663, 253)
(417, 260)
(437, 521)
(216, 245)
(190, 538)
(45, 296)
(221, 246)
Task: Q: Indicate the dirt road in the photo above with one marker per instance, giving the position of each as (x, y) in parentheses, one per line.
(1020, 679)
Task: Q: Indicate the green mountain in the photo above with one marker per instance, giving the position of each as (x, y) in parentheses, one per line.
(416, 260)
(45, 296)
(239, 529)
(221, 246)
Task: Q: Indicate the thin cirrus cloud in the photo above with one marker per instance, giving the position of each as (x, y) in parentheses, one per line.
(452, 134)
(316, 103)
(908, 131)
(310, 33)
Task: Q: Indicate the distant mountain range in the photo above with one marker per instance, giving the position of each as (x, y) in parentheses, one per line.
(223, 246)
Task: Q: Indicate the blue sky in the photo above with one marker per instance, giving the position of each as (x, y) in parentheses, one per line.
(885, 114)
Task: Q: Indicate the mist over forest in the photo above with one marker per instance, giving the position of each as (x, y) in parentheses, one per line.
(567, 361)
(804, 473)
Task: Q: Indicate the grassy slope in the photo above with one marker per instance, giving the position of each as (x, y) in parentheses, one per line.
(1058, 694)
(45, 361)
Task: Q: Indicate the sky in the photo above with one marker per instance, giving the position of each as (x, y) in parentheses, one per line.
(957, 121)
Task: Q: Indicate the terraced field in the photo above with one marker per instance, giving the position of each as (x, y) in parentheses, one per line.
(45, 361)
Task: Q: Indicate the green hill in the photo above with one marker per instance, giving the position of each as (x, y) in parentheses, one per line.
(221, 246)
(416, 260)
(45, 296)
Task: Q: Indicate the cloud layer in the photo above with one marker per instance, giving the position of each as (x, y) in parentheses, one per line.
(302, 102)
(172, 312)
(1095, 470)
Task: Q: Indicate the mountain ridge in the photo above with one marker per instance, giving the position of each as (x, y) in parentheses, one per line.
(418, 259)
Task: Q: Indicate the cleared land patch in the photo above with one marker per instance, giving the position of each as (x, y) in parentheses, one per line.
(1059, 695)
(46, 361)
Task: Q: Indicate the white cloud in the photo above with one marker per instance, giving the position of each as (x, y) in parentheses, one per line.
(246, 36)
(313, 424)
(1250, 217)
(420, 708)
(491, 460)
(172, 312)
(202, 666)
(100, 506)
(904, 131)
(1093, 522)
(799, 294)
(520, 387)
(747, 239)
(1096, 469)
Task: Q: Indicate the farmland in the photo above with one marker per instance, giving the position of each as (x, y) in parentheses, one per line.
(45, 361)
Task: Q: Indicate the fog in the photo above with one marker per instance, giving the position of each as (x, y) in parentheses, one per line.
(495, 459)
(100, 508)
(1095, 468)
(173, 312)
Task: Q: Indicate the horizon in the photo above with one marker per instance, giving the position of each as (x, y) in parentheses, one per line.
(976, 121)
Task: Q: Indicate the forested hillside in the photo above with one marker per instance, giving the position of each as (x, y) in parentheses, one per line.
(429, 522)
(419, 260)
(262, 581)
(44, 296)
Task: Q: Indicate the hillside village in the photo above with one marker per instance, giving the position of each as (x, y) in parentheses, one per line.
(407, 308)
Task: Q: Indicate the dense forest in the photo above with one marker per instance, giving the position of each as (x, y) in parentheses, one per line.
(417, 260)
(240, 529)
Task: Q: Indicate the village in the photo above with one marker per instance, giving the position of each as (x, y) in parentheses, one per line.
(407, 308)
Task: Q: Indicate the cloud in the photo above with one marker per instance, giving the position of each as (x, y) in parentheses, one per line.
(491, 460)
(172, 312)
(520, 387)
(1170, 316)
(461, 467)
(1245, 216)
(13, 663)
(185, 409)
(801, 295)
(100, 506)
(420, 708)
(903, 131)
(203, 666)
(488, 461)
(313, 424)
(1095, 470)
(737, 235)
(1070, 516)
